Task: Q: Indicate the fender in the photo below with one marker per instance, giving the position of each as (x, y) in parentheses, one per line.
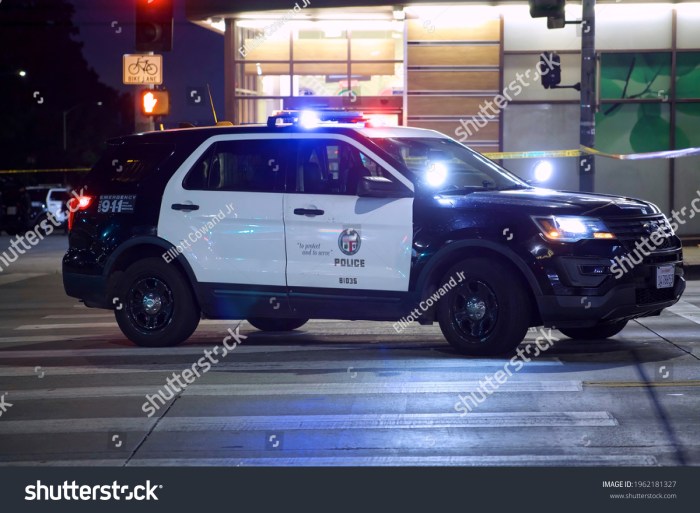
(152, 240)
(427, 273)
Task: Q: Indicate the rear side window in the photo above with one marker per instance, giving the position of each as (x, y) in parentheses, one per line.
(129, 164)
(244, 165)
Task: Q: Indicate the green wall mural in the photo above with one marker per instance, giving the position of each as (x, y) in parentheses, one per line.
(643, 121)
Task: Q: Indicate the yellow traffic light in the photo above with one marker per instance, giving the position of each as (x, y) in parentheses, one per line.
(155, 103)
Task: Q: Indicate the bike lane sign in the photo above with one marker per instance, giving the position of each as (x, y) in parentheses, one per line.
(139, 69)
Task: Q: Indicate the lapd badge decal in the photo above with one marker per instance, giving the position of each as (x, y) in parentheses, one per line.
(349, 241)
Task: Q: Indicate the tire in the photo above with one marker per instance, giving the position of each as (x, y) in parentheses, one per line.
(594, 332)
(487, 312)
(268, 324)
(155, 306)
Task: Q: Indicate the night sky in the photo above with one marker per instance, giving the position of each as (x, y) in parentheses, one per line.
(107, 31)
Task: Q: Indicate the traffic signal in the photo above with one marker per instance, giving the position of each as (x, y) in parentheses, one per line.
(550, 69)
(154, 25)
(155, 103)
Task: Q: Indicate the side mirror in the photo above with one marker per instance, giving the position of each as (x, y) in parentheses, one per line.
(381, 187)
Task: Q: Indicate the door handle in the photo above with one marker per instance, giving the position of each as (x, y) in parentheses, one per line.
(185, 207)
(308, 212)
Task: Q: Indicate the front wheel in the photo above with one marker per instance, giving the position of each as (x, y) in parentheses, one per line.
(486, 311)
(268, 324)
(595, 332)
(154, 306)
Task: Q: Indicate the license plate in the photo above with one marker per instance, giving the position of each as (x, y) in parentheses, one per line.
(11, 211)
(665, 275)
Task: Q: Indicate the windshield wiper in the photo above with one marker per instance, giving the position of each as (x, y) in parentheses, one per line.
(460, 188)
(514, 187)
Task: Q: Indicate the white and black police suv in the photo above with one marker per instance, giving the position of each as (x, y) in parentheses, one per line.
(321, 215)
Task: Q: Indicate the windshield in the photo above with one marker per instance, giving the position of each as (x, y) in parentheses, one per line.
(445, 166)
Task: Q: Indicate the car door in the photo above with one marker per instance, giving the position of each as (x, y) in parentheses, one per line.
(223, 210)
(336, 239)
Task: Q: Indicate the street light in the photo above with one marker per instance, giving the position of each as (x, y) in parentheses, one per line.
(65, 122)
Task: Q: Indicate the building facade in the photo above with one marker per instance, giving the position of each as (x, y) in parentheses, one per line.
(472, 71)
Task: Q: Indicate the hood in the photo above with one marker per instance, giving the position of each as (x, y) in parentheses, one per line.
(549, 202)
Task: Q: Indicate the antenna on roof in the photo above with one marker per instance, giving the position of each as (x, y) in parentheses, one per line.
(211, 101)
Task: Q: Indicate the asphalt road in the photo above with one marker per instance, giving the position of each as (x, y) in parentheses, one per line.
(333, 393)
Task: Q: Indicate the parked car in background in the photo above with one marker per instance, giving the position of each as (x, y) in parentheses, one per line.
(48, 200)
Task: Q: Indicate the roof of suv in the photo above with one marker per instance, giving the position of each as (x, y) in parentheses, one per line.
(203, 133)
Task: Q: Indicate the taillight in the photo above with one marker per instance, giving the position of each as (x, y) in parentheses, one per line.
(77, 203)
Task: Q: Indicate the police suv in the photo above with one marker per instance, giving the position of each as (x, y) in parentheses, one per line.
(322, 215)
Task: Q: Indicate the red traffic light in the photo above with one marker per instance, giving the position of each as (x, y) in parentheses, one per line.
(155, 103)
(154, 25)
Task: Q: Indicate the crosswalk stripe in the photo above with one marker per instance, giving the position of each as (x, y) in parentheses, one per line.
(282, 389)
(420, 461)
(64, 326)
(150, 351)
(387, 421)
(80, 316)
(112, 324)
(519, 460)
(6, 279)
(686, 310)
(346, 366)
(311, 422)
(39, 338)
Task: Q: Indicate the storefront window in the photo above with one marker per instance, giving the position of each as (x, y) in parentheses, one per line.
(325, 59)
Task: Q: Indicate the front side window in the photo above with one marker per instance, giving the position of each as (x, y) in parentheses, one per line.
(445, 166)
(333, 167)
(243, 165)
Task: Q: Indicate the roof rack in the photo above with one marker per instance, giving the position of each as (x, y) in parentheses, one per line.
(311, 118)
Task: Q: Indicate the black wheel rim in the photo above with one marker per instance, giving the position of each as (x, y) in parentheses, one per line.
(474, 310)
(150, 304)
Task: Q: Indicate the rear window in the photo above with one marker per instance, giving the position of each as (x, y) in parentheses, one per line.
(61, 196)
(129, 164)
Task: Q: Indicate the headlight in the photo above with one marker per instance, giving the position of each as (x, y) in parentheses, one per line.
(572, 228)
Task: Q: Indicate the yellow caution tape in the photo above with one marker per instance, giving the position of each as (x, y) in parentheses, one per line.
(667, 154)
(55, 170)
(533, 154)
(585, 150)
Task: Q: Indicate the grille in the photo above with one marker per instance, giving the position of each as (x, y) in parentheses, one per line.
(647, 296)
(631, 230)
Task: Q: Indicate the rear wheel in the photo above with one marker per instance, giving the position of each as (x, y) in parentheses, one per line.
(595, 332)
(154, 305)
(487, 312)
(268, 324)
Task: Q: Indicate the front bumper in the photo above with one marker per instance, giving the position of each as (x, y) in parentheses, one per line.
(622, 302)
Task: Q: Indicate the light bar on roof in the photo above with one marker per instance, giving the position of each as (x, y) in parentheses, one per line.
(312, 118)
